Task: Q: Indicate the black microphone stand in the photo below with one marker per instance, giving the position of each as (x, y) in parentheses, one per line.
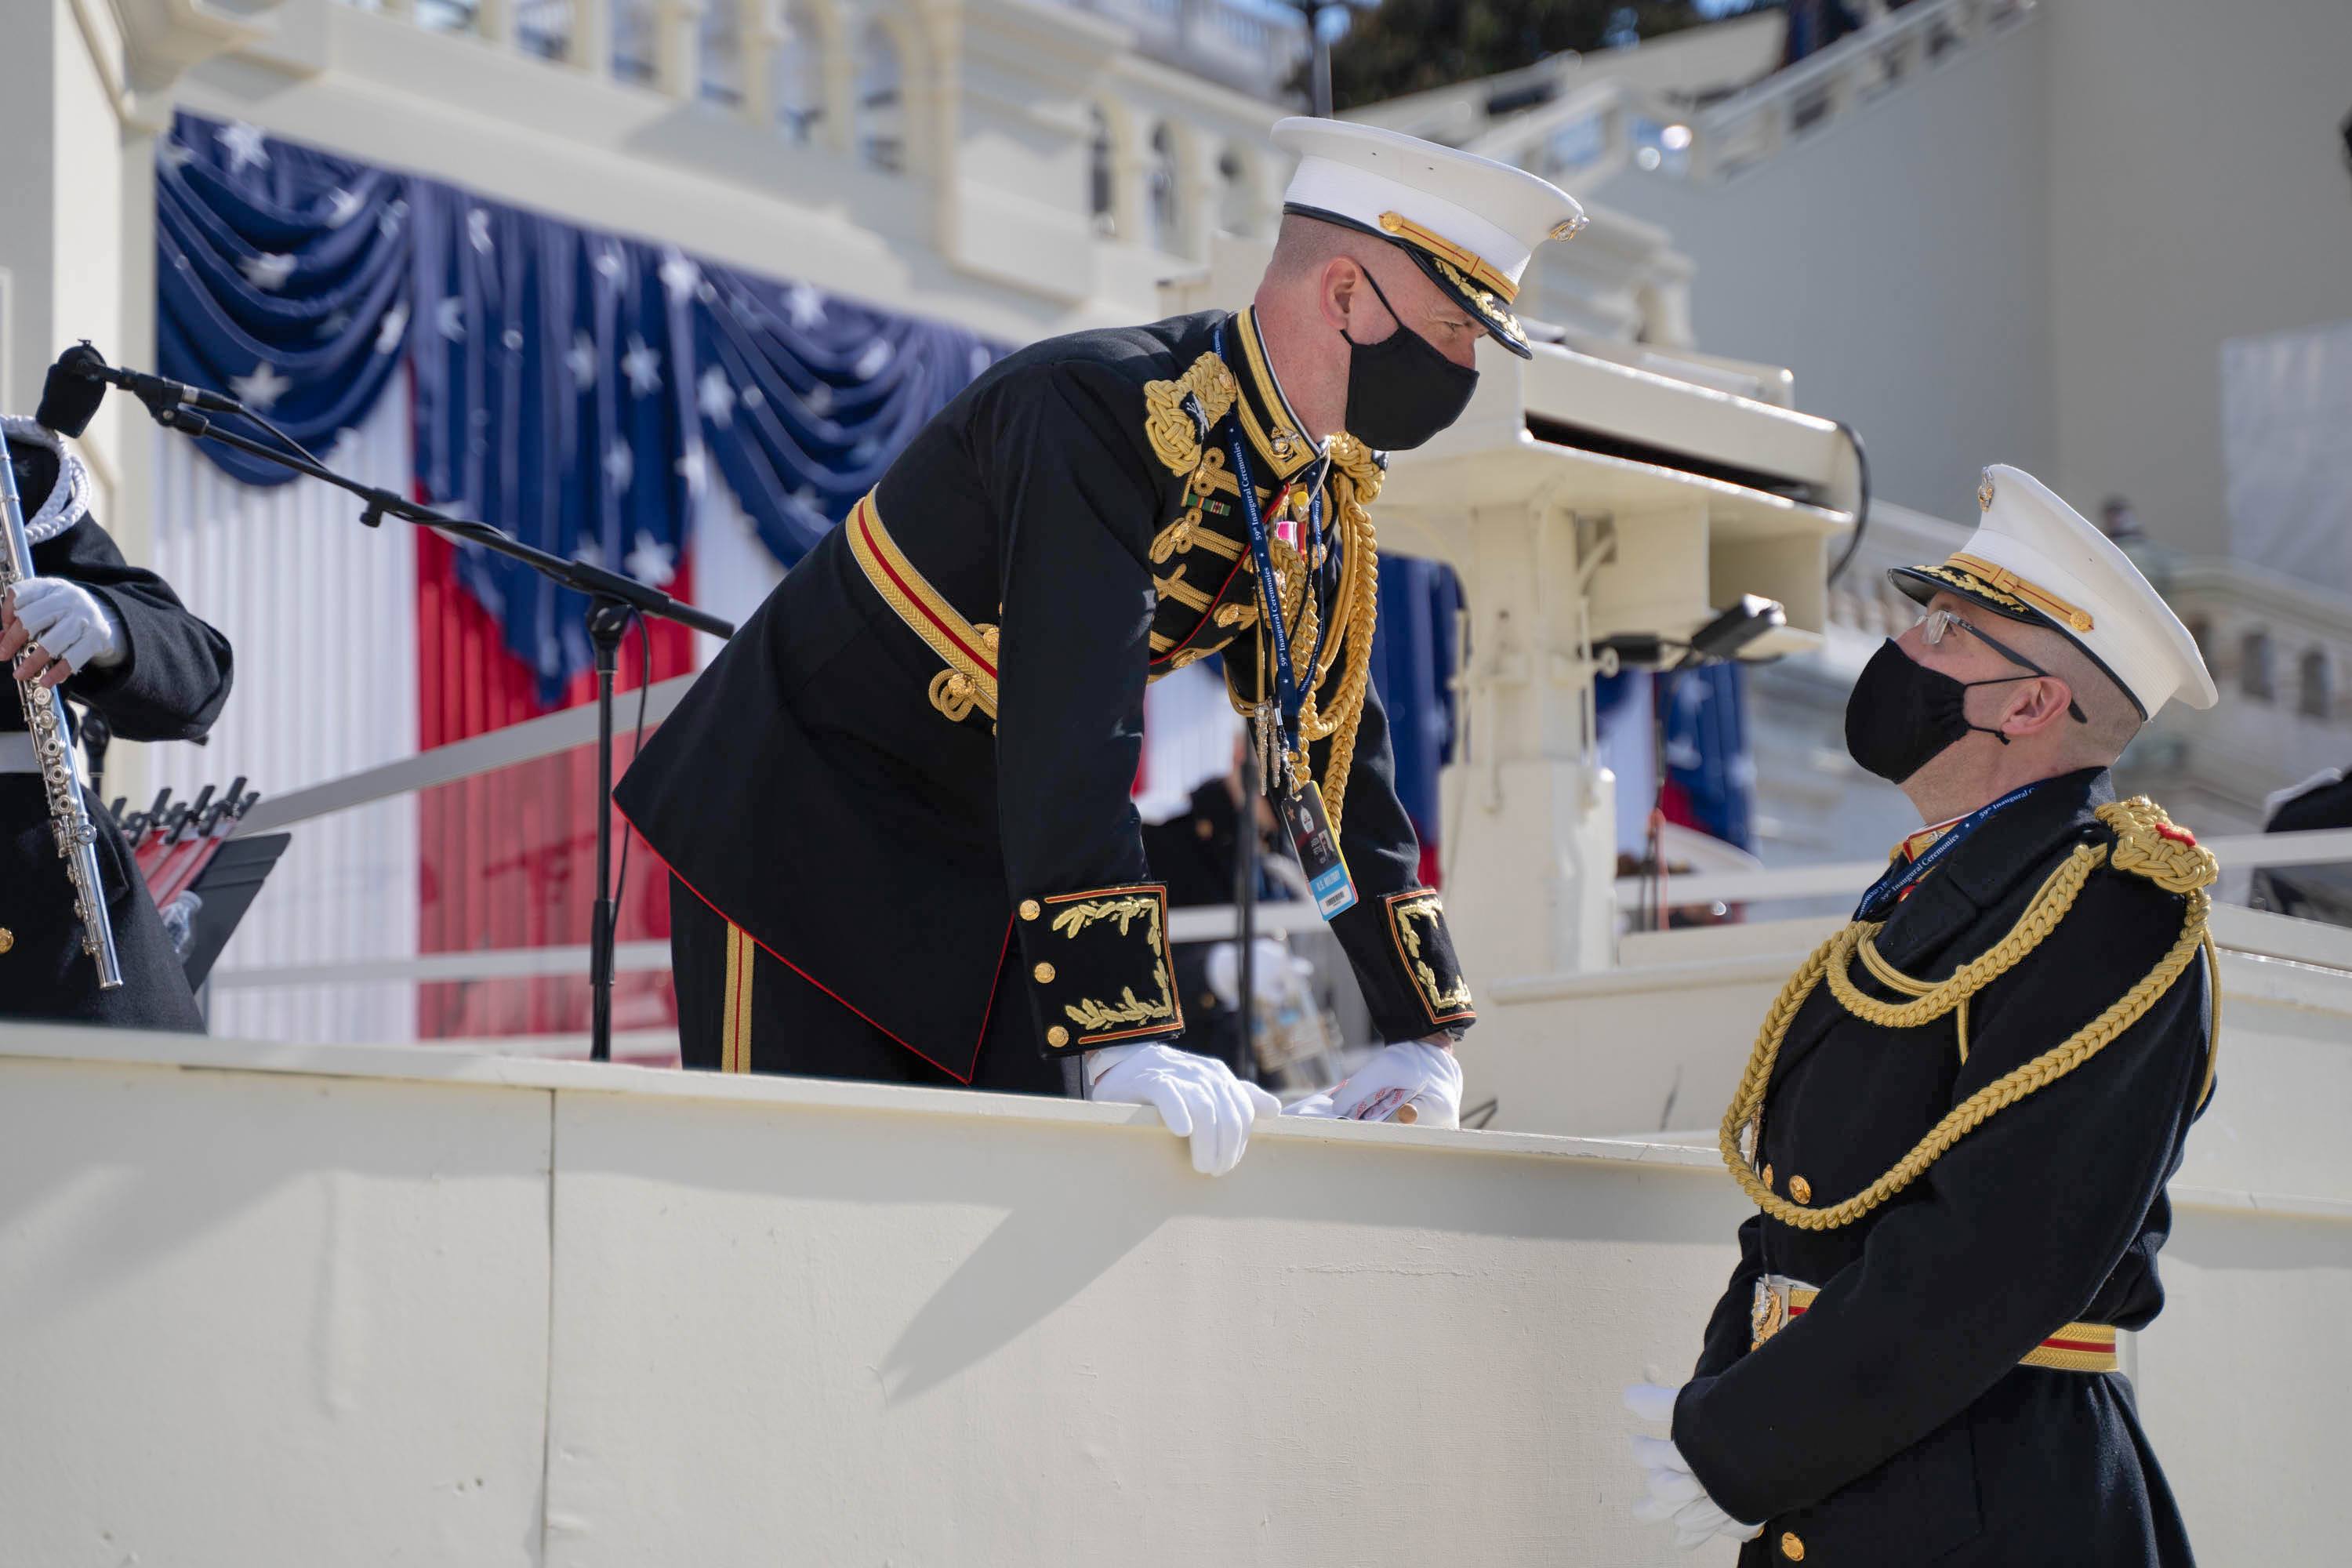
(611, 598)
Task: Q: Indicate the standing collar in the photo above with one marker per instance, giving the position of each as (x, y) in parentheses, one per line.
(2014, 844)
(1276, 434)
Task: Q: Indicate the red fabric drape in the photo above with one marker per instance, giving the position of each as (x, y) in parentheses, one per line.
(509, 859)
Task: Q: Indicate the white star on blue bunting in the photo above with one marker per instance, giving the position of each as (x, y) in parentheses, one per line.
(267, 272)
(715, 396)
(650, 562)
(261, 390)
(244, 146)
(641, 366)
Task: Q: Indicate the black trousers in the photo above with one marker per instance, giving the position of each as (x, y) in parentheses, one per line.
(44, 974)
(740, 1009)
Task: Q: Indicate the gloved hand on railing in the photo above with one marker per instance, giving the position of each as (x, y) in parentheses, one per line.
(1419, 1073)
(1197, 1096)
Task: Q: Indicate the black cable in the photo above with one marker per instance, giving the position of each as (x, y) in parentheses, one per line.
(644, 684)
(282, 435)
(1862, 504)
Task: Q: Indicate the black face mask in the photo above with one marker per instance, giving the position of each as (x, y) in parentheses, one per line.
(1401, 390)
(1903, 715)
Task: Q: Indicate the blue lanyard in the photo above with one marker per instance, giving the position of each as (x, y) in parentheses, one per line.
(1888, 890)
(1287, 697)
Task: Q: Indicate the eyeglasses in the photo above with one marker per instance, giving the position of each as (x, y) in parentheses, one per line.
(1937, 621)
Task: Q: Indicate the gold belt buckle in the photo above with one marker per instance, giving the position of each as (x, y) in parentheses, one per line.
(1769, 1314)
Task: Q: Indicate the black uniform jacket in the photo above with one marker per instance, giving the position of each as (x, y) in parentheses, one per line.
(822, 786)
(170, 686)
(1892, 1423)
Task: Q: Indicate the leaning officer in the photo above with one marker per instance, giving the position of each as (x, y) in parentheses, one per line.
(117, 640)
(1963, 1110)
(897, 806)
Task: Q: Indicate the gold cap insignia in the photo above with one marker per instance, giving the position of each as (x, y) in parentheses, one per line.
(1984, 491)
(1570, 227)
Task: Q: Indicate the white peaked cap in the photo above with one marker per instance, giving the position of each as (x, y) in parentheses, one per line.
(1469, 222)
(2035, 559)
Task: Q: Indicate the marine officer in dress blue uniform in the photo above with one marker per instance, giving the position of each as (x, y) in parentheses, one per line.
(1961, 1113)
(896, 808)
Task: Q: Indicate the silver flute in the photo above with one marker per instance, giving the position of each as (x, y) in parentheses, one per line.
(45, 720)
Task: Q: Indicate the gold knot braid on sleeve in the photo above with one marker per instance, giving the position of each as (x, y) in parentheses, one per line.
(2146, 845)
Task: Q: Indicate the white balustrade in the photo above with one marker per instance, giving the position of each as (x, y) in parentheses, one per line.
(1596, 132)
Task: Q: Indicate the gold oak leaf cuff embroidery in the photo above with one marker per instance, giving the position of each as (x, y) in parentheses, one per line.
(1425, 947)
(1099, 959)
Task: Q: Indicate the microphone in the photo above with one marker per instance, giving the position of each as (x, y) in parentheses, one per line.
(77, 383)
(70, 396)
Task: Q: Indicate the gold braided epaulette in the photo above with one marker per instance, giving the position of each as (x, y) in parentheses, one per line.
(2146, 844)
(2149, 844)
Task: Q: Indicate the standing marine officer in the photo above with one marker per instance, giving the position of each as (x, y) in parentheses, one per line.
(1963, 1109)
(896, 807)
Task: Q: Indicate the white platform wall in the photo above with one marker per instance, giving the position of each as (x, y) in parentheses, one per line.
(371, 1306)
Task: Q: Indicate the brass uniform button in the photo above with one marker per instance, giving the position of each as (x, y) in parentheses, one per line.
(1208, 999)
(1057, 1037)
(1802, 1191)
(1045, 973)
(7, 939)
(1768, 1177)
(1203, 825)
(1029, 910)
(1790, 1547)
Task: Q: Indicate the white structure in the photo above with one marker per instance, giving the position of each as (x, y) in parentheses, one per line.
(318, 1305)
(310, 1303)
(2013, 192)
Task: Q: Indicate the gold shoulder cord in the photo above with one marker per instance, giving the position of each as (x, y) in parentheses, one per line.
(1355, 485)
(2145, 845)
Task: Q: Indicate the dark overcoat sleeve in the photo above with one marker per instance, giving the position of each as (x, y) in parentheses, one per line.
(2004, 1238)
(1059, 452)
(175, 670)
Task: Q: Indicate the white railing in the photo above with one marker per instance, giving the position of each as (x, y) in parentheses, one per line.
(1598, 131)
(2238, 852)
(546, 736)
(1252, 45)
(562, 732)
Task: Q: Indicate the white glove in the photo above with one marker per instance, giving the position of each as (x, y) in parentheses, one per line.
(1675, 1494)
(67, 625)
(1415, 1073)
(1198, 1096)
